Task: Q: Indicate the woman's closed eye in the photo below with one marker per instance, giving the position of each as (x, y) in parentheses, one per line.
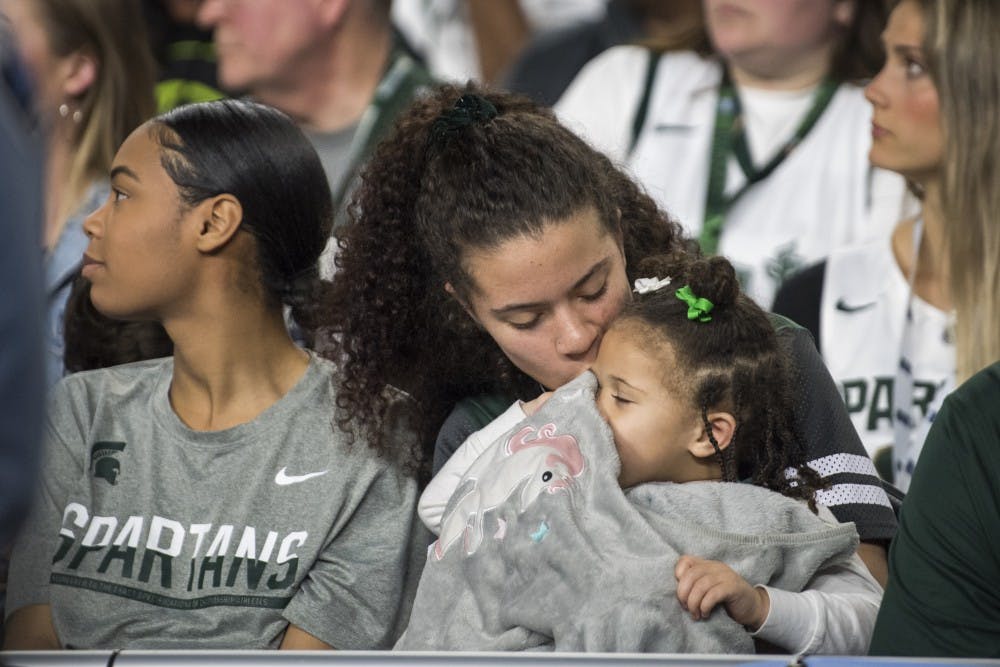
(594, 296)
(525, 325)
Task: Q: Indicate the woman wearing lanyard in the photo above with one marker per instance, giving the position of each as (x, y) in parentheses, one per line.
(935, 314)
(761, 149)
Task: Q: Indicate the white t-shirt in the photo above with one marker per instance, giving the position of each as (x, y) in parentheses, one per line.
(823, 196)
(771, 116)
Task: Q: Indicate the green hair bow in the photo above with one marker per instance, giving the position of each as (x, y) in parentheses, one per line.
(698, 308)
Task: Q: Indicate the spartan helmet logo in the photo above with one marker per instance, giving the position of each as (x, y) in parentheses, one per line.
(103, 461)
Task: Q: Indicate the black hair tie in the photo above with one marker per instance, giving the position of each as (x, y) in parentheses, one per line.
(470, 108)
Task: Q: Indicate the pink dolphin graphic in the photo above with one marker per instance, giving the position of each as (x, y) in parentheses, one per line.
(544, 463)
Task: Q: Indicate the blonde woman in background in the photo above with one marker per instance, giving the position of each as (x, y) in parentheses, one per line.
(93, 77)
(941, 599)
(931, 288)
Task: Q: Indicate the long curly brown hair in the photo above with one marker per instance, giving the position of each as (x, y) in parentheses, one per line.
(731, 362)
(425, 199)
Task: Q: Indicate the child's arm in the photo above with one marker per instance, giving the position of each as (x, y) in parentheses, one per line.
(835, 613)
(437, 494)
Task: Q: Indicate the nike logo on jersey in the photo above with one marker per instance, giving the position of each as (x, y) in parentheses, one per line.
(845, 307)
(671, 127)
(284, 479)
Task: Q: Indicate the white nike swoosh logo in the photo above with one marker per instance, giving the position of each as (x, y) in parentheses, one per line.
(284, 479)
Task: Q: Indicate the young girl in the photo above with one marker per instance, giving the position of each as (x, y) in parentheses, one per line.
(178, 504)
(691, 381)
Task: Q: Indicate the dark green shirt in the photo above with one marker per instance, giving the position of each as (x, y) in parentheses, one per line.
(943, 596)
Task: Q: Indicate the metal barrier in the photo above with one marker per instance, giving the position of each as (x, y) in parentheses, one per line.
(390, 658)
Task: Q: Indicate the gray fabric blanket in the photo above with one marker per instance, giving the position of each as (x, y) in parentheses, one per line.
(541, 549)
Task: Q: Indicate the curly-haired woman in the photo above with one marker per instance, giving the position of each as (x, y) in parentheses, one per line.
(491, 248)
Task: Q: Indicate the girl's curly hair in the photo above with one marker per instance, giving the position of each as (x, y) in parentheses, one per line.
(732, 362)
(425, 199)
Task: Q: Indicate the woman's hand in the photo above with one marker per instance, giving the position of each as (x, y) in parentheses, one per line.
(531, 407)
(703, 584)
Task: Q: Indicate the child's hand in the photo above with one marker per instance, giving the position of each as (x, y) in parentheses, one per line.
(531, 407)
(703, 584)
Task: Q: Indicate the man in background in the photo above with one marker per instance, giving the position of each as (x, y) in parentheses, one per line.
(336, 66)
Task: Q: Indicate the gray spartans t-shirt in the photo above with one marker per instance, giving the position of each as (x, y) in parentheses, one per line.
(147, 534)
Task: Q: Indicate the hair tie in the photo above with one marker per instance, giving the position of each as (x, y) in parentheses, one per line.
(647, 285)
(470, 108)
(698, 307)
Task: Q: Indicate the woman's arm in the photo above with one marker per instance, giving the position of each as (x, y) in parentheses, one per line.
(500, 30)
(876, 559)
(30, 629)
(297, 639)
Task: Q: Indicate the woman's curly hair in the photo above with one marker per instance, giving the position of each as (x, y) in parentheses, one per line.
(732, 362)
(425, 199)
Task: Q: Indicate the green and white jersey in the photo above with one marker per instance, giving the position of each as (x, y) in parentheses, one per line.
(147, 534)
(824, 195)
(863, 313)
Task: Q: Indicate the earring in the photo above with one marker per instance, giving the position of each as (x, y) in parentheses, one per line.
(77, 115)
